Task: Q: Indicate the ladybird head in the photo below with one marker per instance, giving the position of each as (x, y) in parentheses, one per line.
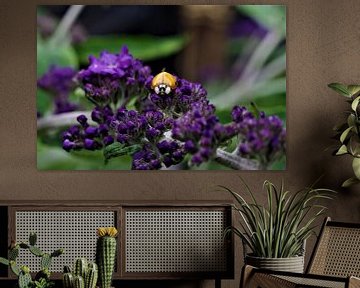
(162, 89)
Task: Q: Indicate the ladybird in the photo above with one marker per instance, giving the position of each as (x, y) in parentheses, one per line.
(163, 83)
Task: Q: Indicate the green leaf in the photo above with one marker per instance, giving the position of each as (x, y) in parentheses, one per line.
(340, 88)
(144, 47)
(356, 167)
(272, 17)
(354, 145)
(14, 268)
(353, 89)
(351, 120)
(349, 182)
(345, 134)
(342, 150)
(4, 261)
(117, 149)
(61, 55)
(355, 103)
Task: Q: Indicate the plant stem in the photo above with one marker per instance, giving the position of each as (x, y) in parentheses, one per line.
(65, 24)
(61, 120)
(234, 161)
(243, 88)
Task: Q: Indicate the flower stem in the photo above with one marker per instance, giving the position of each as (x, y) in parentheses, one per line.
(62, 120)
(65, 24)
(234, 161)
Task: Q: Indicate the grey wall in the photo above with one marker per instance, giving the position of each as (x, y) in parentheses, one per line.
(323, 40)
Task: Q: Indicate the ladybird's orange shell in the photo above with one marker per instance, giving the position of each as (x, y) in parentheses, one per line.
(164, 78)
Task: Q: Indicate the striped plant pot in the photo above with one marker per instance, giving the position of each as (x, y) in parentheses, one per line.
(291, 264)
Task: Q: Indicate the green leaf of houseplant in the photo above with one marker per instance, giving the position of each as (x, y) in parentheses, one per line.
(345, 134)
(355, 103)
(356, 167)
(349, 182)
(353, 89)
(144, 47)
(342, 150)
(340, 88)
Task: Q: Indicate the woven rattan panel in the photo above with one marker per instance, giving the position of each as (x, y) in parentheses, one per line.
(75, 231)
(175, 241)
(338, 253)
(306, 282)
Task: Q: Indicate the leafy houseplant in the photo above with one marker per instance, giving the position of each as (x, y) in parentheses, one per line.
(349, 132)
(42, 278)
(276, 233)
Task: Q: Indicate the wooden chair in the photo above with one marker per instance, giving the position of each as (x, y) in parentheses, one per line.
(334, 263)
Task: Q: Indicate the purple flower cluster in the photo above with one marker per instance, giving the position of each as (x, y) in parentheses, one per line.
(113, 76)
(83, 136)
(129, 126)
(166, 152)
(201, 132)
(58, 81)
(163, 129)
(262, 138)
(180, 101)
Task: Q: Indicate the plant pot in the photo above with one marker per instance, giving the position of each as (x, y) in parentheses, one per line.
(291, 264)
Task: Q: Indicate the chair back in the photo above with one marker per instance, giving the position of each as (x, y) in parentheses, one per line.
(337, 251)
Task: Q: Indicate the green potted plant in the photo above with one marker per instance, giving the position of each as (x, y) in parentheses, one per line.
(348, 132)
(276, 233)
(25, 280)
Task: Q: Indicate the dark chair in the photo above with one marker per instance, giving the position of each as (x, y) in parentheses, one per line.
(334, 263)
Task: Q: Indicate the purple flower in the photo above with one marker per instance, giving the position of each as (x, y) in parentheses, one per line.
(201, 131)
(146, 159)
(58, 81)
(128, 125)
(261, 138)
(113, 76)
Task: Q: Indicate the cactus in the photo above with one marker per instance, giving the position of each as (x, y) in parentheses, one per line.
(24, 280)
(42, 278)
(4, 261)
(91, 276)
(89, 272)
(14, 268)
(80, 267)
(57, 252)
(44, 273)
(106, 254)
(79, 282)
(68, 280)
(36, 251)
(32, 239)
(13, 253)
(45, 261)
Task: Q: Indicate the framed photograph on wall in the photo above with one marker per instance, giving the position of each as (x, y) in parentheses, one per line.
(161, 87)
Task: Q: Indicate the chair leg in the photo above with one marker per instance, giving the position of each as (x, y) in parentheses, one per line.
(250, 278)
(246, 273)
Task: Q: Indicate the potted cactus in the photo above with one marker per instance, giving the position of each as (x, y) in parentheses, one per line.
(84, 275)
(42, 278)
(106, 254)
